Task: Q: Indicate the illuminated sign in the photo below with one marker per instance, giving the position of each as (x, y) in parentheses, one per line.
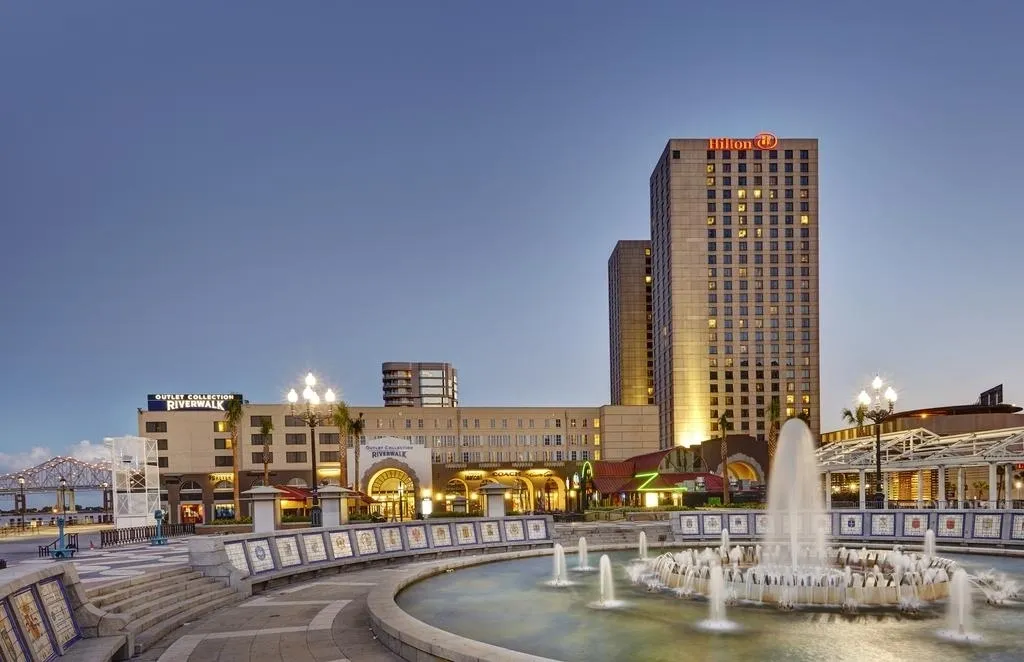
(386, 451)
(190, 401)
(763, 140)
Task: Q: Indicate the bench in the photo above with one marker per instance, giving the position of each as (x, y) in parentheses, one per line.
(99, 649)
(67, 553)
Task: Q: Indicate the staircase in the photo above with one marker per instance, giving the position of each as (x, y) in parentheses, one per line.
(155, 604)
(621, 534)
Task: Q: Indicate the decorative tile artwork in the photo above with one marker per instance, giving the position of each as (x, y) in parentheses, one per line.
(465, 533)
(11, 647)
(27, 612)
(58, 611)
(712, 524)
(315, 550)
(259, 555)
(341, 544)
(417, 536)
(442, 535)
(236, 554)
(988, 525)
(914, 524)
(951, 525)
(392, 537)
(760, 524)
(883, 524)
(536, 529)
(688, 525)
(366, 542)
(288, 551)
(513, 530)
(489, 532)
(738, 524)
(1017, 528)
(851, 524)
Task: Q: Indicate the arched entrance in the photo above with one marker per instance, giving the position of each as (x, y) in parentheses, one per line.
(521, 495)
(394, 495)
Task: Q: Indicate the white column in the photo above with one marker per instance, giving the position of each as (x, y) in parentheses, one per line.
(993, 485)
(861, 488)
(1008, 486)
(942, 487)
(920, 489)
(266, 513)
(334, 513)
(828, 490)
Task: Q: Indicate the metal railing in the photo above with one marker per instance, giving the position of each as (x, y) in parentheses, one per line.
(70, 541)
(140, 534)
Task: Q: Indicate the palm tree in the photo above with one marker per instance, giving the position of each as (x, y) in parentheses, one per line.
(856, 417)
(266, 429)
(233, 414)
(773, 413)
(341, 419)
(723, 425)
(355, 427)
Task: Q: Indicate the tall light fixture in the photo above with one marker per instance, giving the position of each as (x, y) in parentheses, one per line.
(878, 406)
(314, 412)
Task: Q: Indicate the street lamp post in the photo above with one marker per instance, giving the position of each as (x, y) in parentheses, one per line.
(60, 550)
(317, 411)
(21, 491)
(878, 406)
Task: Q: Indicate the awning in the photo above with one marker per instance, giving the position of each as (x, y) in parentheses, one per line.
(610, 484)
(292, 493)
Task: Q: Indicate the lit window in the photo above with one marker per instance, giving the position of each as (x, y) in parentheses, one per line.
(711, 220)
(711, 168)
(647, 251)
(757, 194)
(806, 399)
(742, 193)
(741, 233)
(647, 279)
(712, 323)
(804, 194)
(790, 412)
(758, 232)
(789, 399)
(710, 181)
(741, 206)
(804, 219)
(711, 285)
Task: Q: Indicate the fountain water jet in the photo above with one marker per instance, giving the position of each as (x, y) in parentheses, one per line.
(643, 545)
(607, 598)
(716, 603)
(795, 500)
(561, 574)
(583, 560)
(958, 610)
(929, 543)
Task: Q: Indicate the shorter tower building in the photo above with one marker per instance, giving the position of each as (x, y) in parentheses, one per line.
(631, 343)
(420, 385)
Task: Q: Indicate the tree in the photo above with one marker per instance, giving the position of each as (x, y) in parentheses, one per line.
(233, 413)
(266, 429)
(773, 412)
(856, 417)
(341, 419)
(724, 425)
(356, 428)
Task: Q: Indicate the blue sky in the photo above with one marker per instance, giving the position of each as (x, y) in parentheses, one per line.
(218, 198)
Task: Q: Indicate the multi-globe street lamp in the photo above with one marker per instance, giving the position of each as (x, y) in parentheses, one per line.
(878, 406)
(316, 411)
(21, 491)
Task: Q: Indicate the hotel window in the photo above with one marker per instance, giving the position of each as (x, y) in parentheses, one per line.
(727, 194)
(161, 462)
(726, 154)
(805, 180)
(711, 194)
(711, 168)
(804, 167)
(726, 167)
(757, 194)
(805, 206)
(675, 154)
(804, 154)
(218, 426)
(295, 457)
(773, 167)
(742, 167)
(161, 444)
(741, 193)
(710, 181)
(222, 444)
(804, 194)
(295, 439)
(711, 220)
(159, 426)
(293, 422)
(741, 207)
(223, 461)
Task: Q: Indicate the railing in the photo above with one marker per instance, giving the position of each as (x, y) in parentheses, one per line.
(70, 541)
(140, 534)
(926, 504)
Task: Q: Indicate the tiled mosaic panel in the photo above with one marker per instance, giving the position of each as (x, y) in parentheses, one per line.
(315, 550)
(30, 618)
(712, 524)
(1017, 528)
(288, 551)
(441, 535)
(738, 524)
(760, 524)
(259, 555)
(851, 524)
(366, 542)
(417, 536)
(988, 525)
(489, 532)
(11, 647)
(465, 533)
(341, 544)
(689, 525)
(392, 538)
(58, 611)
(236, 555)
(513, 530)
(914, 524)
(951, 525)
(536, 529)
(883, 524)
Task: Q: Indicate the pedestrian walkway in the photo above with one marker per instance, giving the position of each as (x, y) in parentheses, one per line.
(322, 620)
(99, 565)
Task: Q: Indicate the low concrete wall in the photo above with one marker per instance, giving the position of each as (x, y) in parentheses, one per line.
(253, 561)
(44, 612)
(990, 528)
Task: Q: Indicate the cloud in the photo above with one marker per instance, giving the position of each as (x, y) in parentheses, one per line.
(84, 450)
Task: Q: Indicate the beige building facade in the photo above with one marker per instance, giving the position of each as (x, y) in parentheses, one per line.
(537, 449)
(734, 243)
(631, 344)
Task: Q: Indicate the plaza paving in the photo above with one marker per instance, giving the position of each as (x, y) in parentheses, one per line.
(102, 565)
(322, 620)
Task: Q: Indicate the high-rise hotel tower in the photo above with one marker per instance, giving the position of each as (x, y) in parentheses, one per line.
(734, 265)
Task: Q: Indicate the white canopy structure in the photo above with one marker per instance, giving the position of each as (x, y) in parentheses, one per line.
(136, 475)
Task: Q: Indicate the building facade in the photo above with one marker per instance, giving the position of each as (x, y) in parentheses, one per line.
(734, 247)
(420, 385)
(406, 454)
(631, 343)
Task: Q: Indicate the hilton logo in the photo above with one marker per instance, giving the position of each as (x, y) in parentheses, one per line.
(763, 140)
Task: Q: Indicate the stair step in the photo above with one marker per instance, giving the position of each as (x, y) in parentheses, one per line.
(152, 599)
(172, 611)
(139, 580)
(188, 610)
(111, 594)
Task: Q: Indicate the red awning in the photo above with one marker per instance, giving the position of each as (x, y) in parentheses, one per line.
(293, 493)
(610, 484)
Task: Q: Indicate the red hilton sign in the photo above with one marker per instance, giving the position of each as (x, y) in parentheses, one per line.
(763, 140)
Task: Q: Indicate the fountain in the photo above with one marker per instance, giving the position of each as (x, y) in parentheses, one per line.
(561, 574)
(607, 598)
(929, 544)
(583, 561)
(795, 500)
(716, 603)
(958, 610)
(643, 545)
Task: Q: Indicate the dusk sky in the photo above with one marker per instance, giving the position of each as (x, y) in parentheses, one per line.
(200, 198)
